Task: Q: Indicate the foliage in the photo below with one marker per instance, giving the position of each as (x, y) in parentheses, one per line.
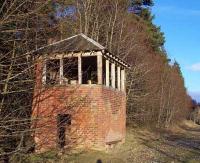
(142, 2)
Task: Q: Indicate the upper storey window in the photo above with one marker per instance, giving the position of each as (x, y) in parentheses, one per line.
(53, 72)
(89, 70)
(79, 69)
(70, 70)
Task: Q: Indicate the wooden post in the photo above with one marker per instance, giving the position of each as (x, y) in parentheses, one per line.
(107, 73)
(123, 80)
(113, 75)
(118, 78)
(44, 72)
(99, 69)
(79, 69)
(61, 71)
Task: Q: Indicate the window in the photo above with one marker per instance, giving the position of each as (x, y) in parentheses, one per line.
(116, 77)
(53, 72)
(70, 70)
(89, 70)
(104, 71)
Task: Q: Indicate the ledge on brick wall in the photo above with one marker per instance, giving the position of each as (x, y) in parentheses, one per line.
(113, 137)
(87, 86)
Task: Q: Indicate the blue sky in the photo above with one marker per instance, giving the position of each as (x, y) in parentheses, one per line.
(180, 21)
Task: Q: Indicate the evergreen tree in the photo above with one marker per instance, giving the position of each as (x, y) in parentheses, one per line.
(156, 36)
(142, 2)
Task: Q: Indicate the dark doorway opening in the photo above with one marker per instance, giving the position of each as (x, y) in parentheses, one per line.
(63, 123)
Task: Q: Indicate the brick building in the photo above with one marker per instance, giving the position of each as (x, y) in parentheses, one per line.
(79, 96)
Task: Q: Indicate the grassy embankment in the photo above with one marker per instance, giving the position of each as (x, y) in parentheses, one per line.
(180, 144)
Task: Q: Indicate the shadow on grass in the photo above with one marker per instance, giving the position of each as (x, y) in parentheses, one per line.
(181, 147)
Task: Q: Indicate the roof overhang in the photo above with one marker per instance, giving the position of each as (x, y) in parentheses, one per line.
(88, 45)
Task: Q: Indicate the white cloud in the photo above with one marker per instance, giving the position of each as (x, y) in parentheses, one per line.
(195, 67)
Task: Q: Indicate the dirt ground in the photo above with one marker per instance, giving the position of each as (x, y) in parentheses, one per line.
(180, 144)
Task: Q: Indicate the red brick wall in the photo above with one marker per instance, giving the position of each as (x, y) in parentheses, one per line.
(98, 114)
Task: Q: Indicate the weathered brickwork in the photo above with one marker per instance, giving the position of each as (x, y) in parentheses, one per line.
(98, 115)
